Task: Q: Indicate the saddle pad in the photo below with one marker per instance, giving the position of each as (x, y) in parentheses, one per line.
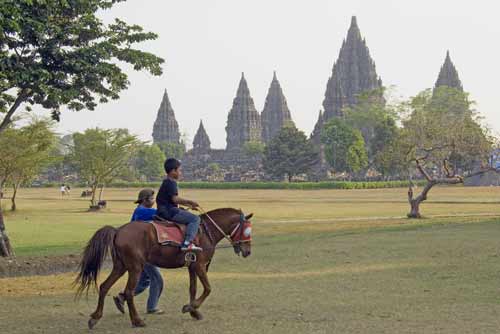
(169, 234)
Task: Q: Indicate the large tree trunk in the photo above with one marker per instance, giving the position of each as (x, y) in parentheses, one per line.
(415, 210)
(5, 247)
(13, 206)
(100, 192)
(94, 189)
(415, 201)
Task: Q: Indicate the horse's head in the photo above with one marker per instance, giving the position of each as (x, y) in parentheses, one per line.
(241, 236)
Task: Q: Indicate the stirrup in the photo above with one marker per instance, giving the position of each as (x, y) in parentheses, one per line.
(190, 257)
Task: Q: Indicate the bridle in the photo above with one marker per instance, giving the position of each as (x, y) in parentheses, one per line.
(235, 238)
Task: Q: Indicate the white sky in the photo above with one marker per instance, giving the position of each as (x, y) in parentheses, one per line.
(208, 43)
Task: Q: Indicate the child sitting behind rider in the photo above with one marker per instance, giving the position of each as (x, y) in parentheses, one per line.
(168, 202)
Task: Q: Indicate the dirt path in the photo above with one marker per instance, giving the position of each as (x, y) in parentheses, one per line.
(43, 265)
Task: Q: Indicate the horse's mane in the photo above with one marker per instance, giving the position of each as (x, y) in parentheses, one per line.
(223, 211)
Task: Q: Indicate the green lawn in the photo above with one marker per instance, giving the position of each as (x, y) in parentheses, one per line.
(46, 224)
(323, 262)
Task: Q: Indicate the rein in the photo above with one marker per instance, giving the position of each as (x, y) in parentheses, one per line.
(230, 236)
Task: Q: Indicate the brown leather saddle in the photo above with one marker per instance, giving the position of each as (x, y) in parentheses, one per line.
(170, 233)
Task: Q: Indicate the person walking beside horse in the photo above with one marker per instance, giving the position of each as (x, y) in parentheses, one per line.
(150, 276)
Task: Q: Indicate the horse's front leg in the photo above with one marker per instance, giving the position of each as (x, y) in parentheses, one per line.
(192, 294)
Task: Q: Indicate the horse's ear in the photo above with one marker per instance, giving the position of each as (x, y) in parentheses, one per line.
(247, 217)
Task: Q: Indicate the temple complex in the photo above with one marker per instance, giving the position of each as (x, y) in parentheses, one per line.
(353, 73)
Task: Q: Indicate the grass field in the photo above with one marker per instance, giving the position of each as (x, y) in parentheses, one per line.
(329, 261)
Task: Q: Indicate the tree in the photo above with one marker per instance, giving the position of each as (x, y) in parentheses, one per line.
(439, 126)
(289, 153)
(253, 149)
(148, 162)
(101, 155)
(59, 53)
(173, 150)
(344, 146)
(60, 167)
(34, 144)
(391, 160)
(376, 120)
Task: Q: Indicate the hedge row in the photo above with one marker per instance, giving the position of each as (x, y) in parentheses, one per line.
(264, 185)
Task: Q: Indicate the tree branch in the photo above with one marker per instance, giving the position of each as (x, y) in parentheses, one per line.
(483, 171)
(446, 169)
(423, 171)
(8, 117)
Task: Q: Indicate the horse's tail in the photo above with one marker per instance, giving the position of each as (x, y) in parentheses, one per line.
(93, 257)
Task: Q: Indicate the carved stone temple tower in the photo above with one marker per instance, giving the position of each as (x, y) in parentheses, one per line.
(243, 121)
(276, 113)
(353, 72)
(316, 133)
(201, 141)
(166, 128)
(448, 75)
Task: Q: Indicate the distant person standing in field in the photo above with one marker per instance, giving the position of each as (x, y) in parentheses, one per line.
(63, 190)
(150, 276)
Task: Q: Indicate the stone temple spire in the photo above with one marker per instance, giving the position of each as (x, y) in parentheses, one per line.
(201, 142)
(316, 134)
(353, 72)
(166, 128)
(243, 121)
(448, 75)
(276, 113)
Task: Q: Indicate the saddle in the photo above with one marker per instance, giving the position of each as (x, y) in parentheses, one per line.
(170, 233)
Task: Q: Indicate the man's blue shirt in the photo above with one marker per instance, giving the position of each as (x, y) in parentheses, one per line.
(142, 213)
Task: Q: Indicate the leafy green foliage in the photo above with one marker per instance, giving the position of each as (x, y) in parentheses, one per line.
(254, 148)
(344, 146)
(102, 155)
(148, 162)
(57, 53)
(442, 125)
(289, 153)
(24, 152)
(173, 150)
(377, 122)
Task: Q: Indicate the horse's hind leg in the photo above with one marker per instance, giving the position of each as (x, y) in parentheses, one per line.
(133, 278)
(116, 273)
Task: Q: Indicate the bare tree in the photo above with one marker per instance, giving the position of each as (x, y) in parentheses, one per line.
(450, 177)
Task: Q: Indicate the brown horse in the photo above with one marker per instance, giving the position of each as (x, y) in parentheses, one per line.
(132, 245)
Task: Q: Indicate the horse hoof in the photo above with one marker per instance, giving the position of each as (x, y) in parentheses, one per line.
(196, 315)
(187, 308)
(138, 324)
(92, 322)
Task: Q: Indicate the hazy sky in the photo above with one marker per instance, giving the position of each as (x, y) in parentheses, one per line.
(208, 43)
